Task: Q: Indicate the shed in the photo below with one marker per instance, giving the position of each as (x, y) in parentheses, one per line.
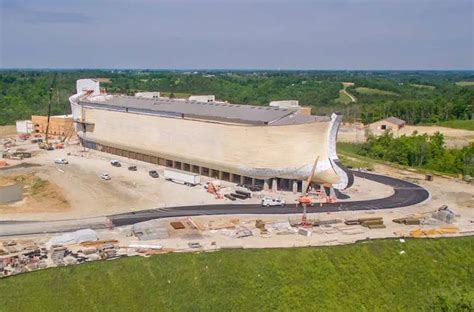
(392, 123)
(24, 126)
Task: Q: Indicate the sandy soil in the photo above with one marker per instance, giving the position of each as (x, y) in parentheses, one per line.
(355, 133)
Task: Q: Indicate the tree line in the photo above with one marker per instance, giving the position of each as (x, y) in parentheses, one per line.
(25, 92)
(420, 151)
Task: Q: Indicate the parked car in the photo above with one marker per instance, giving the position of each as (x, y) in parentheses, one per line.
(61, 161)
(269, 201)
(153, 173)
(105, 176)
(132, 168)
(115, 163)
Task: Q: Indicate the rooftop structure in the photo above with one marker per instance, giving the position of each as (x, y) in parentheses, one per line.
(213, 111)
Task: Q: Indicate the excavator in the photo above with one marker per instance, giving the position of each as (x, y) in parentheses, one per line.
(45, 144)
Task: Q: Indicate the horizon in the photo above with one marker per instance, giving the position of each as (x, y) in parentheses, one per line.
(201, 70)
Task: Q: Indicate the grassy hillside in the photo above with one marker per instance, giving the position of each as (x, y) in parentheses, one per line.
(465, 83)
(370, 91)
(456, 124)
(423, 86)
(368, 276)
(343, 98)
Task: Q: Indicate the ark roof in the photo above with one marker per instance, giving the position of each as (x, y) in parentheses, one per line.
(216, 111)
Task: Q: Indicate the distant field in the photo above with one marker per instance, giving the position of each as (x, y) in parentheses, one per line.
(455, 124)
(465, 83)
(423, 86)
(370, 91)
(431, 275)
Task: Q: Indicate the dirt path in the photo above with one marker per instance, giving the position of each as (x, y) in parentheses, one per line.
(353, 99)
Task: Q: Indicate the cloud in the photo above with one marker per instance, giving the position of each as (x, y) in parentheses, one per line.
(26, 11)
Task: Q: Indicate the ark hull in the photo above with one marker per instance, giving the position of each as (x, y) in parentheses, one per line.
(254, 151)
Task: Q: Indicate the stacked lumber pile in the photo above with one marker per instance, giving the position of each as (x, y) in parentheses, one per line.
(371, 223)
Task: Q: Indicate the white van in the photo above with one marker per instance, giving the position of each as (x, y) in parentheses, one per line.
(269, 201)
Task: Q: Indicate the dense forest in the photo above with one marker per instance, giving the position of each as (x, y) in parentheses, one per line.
(418, 97)
(420, 151)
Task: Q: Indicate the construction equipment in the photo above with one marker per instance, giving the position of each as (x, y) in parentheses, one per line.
(45, 144)
(308, 182)
(305, 200)
(213, 188)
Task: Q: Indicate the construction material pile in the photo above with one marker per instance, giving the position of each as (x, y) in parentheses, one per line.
(371, 223)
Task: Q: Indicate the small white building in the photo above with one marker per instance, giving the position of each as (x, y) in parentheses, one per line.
(203, 98)
(285, 104)
(24, 126)
(148, 95)
(292, 104)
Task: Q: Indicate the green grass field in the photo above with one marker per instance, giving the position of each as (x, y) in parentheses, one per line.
(456, 124)
(465, 83)
(432, 275)
(370, 91)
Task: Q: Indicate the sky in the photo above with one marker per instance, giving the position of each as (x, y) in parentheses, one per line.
(244, 34)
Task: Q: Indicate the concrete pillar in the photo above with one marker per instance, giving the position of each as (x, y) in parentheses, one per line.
(200, 170)
(265, 185)
(253, 181)
(274, 185)
(220, 175)
(242, 179)
(182, 166)
(295, 186)
(231, 177)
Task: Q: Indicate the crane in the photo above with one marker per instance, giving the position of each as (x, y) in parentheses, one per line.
(45, 144)
(305, 200)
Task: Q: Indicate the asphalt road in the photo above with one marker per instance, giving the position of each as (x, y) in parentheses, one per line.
(406, 194)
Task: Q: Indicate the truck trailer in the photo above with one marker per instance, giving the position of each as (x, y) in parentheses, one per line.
(182, 177)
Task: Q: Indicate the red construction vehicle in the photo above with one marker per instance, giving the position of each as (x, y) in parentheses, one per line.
(305, 200)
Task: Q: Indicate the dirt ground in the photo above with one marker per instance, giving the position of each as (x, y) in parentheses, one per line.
(7, 131)
(88, 198)
(83, 194)
(39, 196)
(355, 133)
